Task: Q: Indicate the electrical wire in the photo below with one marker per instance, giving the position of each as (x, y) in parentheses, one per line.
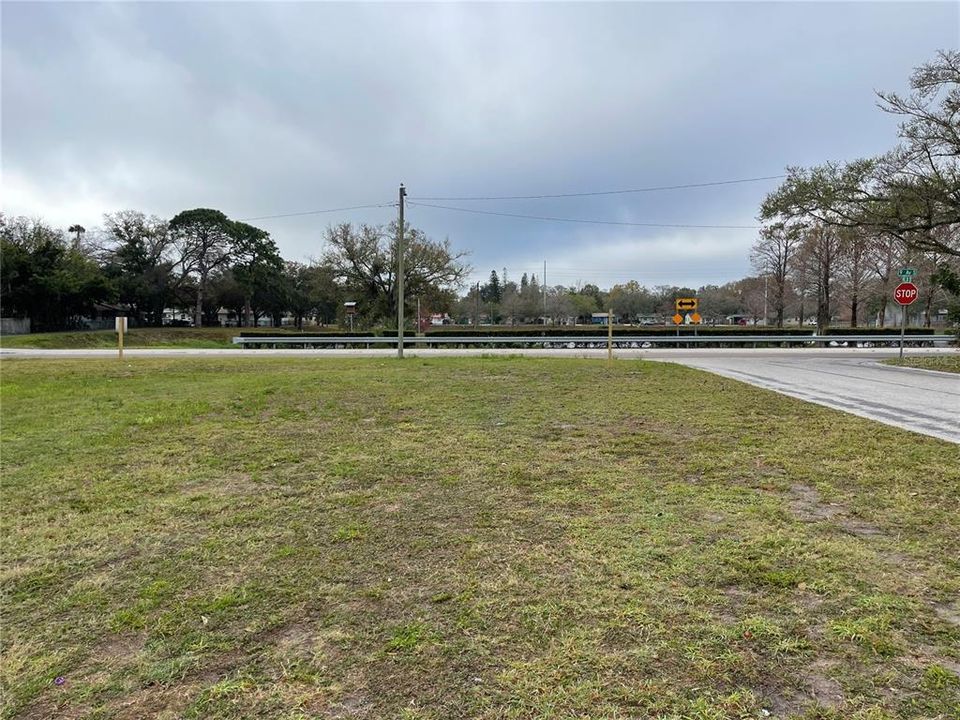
(413, 200)
(658, 188)
(584, 221)
(318, 212)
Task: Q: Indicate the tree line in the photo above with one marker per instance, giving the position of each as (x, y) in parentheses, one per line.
(201, 262)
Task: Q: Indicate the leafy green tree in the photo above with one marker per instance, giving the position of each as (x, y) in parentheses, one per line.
(717, 302)
(326, 294)
(299, 280)
(492, 292)
(258, 268)
(630, 300)
(45, 278)
(205, 241)
(136, 261)
(583, 305)
(510, 302)
(226, 292)
(531, 298)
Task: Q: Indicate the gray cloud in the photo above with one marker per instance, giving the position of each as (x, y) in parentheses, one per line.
(260, 109)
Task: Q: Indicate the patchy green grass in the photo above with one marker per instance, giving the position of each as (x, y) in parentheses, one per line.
(452, 538)
(215, 337)
(943, 363)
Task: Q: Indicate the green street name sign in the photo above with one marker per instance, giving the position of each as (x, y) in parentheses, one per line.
(906, 273)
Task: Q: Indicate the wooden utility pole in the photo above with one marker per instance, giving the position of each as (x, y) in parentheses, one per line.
(544, 292)
(610, 334)
(403, 194)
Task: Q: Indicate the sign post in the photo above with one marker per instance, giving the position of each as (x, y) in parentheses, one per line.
(351, 310)
(905, 294)
(684, 308)
(687, 304)
(120, 324)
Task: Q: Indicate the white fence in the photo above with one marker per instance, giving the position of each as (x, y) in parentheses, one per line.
(14, 326)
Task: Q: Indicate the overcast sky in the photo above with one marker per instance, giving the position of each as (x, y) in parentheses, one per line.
(266, 108)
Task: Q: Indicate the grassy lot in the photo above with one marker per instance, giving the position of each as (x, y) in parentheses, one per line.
(216, 337)
(466, 538)
(137, 337)
(943, 363)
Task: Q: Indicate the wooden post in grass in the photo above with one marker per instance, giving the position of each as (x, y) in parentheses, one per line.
(121, 325)
(610, 334)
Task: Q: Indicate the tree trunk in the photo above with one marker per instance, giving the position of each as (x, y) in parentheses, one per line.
(198, 311)
(246, 311)
(883, 308)
(853, 310)
(823, 307)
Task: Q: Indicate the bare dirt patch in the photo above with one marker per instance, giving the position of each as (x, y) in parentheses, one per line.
(860, 528)
(948, 612)
(119, 650)
(823, 689)
(922, 657)
(157, 701)
(816, 690)
(805, 503)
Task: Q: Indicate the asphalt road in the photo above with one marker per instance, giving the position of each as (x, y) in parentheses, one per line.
(850, 380)
(670, 354)
(919, 400)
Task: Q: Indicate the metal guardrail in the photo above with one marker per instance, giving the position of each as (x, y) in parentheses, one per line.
(619, 341)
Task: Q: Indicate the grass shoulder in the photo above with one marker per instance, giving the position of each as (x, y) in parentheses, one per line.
(489, 538)
(216, 337)
(941, 363)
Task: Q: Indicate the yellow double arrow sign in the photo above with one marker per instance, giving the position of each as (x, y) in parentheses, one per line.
(687, 304)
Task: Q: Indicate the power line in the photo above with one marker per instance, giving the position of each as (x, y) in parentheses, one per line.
(318, 212)
(658, 188)
(585, 221)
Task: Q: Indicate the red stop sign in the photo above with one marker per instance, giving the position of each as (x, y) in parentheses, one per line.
(906, 293)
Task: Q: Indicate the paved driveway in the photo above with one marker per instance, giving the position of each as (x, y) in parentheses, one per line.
(923, 401)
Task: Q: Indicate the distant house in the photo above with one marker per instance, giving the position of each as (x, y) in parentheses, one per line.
(600, 318)
(102, 316)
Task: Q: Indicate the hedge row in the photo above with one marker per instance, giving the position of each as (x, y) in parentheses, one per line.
(598, 332)
(332, 333)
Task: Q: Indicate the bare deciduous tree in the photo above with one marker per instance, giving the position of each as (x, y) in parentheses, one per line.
(853, 268)
(772, 256)
(365, 259)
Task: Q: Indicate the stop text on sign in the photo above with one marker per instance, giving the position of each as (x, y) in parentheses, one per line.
(906, 293)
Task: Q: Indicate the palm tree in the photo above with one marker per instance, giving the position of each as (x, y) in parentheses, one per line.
(79, 230)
